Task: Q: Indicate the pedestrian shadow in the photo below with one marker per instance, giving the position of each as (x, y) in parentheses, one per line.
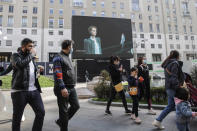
(5, 121)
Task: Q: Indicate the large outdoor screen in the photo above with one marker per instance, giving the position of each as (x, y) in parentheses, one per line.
(98, 37)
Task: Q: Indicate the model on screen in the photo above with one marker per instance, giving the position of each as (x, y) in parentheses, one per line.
(92, 45)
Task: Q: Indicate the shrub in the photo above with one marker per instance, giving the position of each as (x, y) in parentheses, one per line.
(194, 76)
(158, 94)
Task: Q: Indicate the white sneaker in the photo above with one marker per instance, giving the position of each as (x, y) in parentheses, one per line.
(23, 118)
(151, 112)
(133, 116)
(158, 125)
(138, 120)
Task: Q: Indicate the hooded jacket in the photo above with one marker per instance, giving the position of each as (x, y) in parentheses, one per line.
(176, 76)
(183, 111)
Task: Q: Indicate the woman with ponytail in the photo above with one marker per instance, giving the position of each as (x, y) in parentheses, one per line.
(174, 78)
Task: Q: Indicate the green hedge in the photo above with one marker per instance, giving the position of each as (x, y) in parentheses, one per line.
(44, 81)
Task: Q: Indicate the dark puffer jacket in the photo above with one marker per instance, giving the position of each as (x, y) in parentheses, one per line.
(115, 74)
(175, 78)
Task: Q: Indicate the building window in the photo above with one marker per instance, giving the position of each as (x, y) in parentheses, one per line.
(141, 27)
(152, 36)
(152, 46)
(9, 31)
(176, 28)
(156, 57)
(51, 23)
(50, 32)
(103, 13)
(11, 9)
(156, 9)
(150, 17)
(160, 46)
(34, 22)
(51, 1)
(25, 0)
(82, 12)
(35, 10)
(1, 20)
(102, 4)
(155, 1)
(177, 37)
(169, 28)
(157, 17)
(61, 23)
(149, 8)
(135, 5)
(141, 35)
(134, 35)
(191, 29)
(171, 46)
(114, 14)
(8, 42)
(178, 46)
(78, 3)
(24, 21)
(34, 32)
(192, 37)
(114, 5)
(25, 9)
(158, 28)
(141, 55)
(151, 27)
(186, 37)
(140, 16)
(175, 19)
(1, 8)
(10, 21)
(185, 29)
(94, 13)
(142, 45)
(61, 1)
(50, 11)
(35, 1)
(23, 31)
(122, 15)
(187, 46)
(158, 36)
(0, 42)
(170, 37)
(168, 18)
(61, 32)
(193, 46)
(94, 3)
(73, 12)
(61, 12)
(121, 5)
(50, 43)
(132, 16)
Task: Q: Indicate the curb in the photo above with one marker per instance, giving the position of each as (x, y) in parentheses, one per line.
(118, 104)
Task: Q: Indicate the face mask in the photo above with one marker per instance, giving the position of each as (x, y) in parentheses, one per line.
(71, 50)
(145, 62)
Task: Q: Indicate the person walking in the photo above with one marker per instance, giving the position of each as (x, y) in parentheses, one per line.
(174, 78)
(64, 83)
(115, 70)
(25, 86)
(143, 72)
(133, 91)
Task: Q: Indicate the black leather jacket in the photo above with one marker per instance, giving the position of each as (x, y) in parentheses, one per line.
(20, 77)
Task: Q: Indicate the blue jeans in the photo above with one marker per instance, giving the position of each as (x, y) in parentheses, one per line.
(183, 127)
(170, 107)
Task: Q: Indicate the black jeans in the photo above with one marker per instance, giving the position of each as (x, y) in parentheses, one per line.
(20, 100)
(65, 113)
(142, 88)
(112, 96)
(135, 105)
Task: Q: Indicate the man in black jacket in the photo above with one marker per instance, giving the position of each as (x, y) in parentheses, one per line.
(25, 86)
(65, 81)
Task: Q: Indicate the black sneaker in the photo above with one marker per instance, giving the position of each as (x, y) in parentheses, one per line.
(108, 112)
(58, 122)
(128, 111)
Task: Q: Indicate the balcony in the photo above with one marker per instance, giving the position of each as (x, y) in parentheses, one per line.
(78, 4)
(186, 13)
